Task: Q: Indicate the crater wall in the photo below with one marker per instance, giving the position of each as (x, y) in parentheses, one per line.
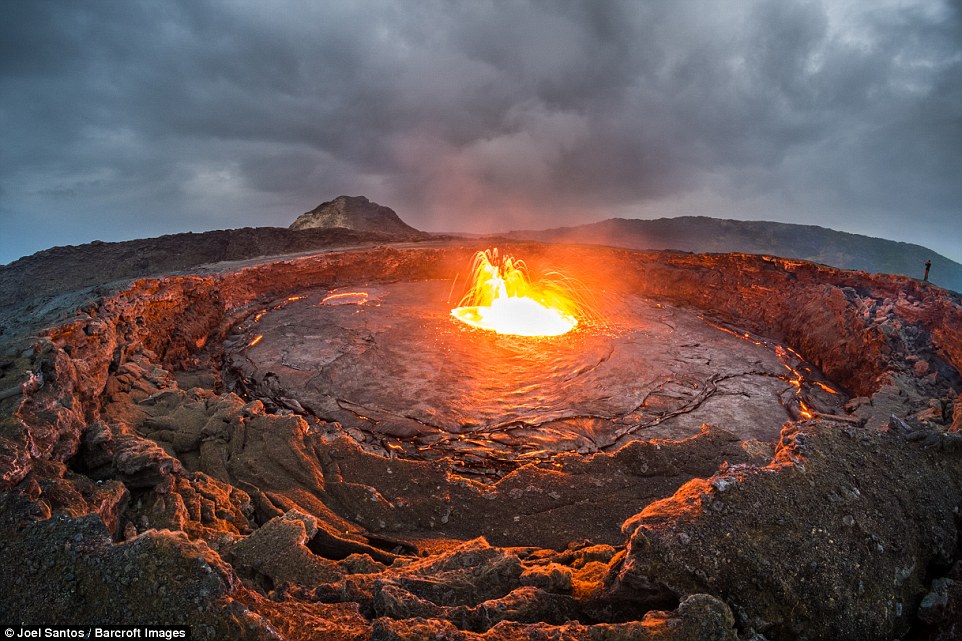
(124, 458)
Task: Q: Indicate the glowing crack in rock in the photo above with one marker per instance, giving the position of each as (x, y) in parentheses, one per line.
(346, 298)
(501, 298)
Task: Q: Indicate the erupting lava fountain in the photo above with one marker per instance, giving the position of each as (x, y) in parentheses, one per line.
(502, 298)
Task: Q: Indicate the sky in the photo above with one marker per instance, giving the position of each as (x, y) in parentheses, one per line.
(129, 119)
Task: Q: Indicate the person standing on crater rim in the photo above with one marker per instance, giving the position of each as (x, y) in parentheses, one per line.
(928, 266)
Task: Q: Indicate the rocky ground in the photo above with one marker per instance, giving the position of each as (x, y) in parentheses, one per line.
(139, 487)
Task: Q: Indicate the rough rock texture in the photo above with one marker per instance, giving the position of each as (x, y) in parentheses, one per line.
(809, 545)
(137, 488)
(156, 577)
(941, 609)
(354, 212)
(277, 551)
(38, 290)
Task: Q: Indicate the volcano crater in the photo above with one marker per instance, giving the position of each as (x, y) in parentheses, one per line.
(726, 434)
(390, 365)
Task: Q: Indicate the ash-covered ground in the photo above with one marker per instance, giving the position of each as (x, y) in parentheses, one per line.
(735, 447)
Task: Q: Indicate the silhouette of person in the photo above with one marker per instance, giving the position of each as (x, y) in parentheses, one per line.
(928, 266)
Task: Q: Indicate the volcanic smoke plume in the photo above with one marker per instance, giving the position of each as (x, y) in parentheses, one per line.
(373, 442)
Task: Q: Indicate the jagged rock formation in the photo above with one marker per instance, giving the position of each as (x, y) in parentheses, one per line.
(354, 212)
(137, 488)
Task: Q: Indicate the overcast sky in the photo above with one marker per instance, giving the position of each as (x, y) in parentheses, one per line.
(127, 119)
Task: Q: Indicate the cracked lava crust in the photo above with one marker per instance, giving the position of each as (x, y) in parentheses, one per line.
(392, 368)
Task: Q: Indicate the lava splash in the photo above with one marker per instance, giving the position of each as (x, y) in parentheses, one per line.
(502, 298)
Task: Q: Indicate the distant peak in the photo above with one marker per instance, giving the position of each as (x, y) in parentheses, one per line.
(353, 212)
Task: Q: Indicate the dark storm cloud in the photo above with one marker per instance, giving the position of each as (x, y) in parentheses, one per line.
(126, 119)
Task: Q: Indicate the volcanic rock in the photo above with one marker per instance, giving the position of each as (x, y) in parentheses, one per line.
(808, 242)
(140, 462)
(143, 482)
(354, 212)
(941, 608)
(156, 578)
(277, 551)
(817, 567)
(38, 290)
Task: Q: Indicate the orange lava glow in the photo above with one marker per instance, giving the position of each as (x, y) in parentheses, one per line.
(501, 298)
(795, 377)
(345, 298)
(825, 387)
(256, 340)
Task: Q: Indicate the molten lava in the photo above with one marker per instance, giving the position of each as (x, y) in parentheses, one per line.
(501, 298)
(346, 298)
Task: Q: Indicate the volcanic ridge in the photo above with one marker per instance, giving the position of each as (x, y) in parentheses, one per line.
(808, 242)
(308, 446)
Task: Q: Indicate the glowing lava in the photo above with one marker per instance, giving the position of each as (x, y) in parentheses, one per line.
(501, 298)
(346, 298)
